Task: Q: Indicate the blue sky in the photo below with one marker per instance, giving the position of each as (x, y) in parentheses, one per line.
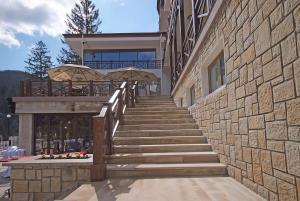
(44, 20)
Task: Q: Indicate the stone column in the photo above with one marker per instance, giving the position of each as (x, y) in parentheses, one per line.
(26, 131)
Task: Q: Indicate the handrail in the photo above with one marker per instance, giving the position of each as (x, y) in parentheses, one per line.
(105, 125)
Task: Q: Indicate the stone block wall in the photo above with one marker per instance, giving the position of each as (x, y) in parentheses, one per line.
(253, 122)
(44, 183)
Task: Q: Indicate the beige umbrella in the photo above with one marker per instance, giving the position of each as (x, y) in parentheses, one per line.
(132, 73)
(73, 72)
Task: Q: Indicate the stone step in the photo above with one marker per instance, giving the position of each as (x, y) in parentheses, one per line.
(159, 140)
(159, 121)
(155, 101)
(157, 116)
(158, 109)
(165, 157)
(158, 126)
(156, 112)
(166, 170)
(158, 148)
(154, 105)
(157, 133)
(154, 98)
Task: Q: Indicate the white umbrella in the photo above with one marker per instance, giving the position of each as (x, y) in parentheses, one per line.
(71, 72)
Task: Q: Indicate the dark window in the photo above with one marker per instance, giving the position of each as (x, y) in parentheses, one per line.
(216, 73)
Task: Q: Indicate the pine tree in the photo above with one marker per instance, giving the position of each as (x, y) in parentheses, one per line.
(38, 60)
(84, 19)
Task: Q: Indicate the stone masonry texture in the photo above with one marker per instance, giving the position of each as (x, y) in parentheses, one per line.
(253, 122)
(43, 183)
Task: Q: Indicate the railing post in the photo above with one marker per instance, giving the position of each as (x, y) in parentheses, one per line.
(111, 87)
(91, 88)
(132, 97)
(109, 128)
(127, 94)
(22, 92)
(49, 88)
(121, 105)
(70, 88)
(98, 169)
(137, 89)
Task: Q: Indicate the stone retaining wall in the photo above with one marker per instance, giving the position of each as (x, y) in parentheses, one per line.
(253, 121)
(46, 182)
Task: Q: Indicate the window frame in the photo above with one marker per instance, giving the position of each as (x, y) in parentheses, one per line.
(209, 69)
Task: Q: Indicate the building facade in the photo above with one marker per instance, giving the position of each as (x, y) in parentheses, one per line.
(236, 65)
(109, 52)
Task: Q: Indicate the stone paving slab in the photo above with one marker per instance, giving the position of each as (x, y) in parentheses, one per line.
(167, 189)
(4, 184)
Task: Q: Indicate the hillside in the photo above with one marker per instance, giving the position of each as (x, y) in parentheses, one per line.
(9, 87)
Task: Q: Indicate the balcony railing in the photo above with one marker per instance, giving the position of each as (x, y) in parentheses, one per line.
(67, 88)
(144, 64)
(200, 12)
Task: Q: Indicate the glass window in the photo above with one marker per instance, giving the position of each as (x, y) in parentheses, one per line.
(216, 74)
(146, 55)
(110, 56)
(128, 56)
(88, 56)
(62, 133)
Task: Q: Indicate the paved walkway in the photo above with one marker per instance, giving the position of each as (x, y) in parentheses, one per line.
(168, 189)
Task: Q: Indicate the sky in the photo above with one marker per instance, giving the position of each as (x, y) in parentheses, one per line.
(24, 22)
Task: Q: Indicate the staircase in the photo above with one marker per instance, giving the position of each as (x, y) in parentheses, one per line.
(158, 139)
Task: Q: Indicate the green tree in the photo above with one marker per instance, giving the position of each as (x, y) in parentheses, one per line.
(84, 19)
(38, 60)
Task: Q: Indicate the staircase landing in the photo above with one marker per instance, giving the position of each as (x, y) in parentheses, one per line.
(167, 189)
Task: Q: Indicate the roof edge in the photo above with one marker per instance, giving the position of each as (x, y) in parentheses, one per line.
(115, 35)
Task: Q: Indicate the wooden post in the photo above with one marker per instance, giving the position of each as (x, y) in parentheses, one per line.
(127, 96)
(109, 128)
(49, 88)
(91, 88)
(111, 87)
(22, 92)
(132, 98)
(121, 105)
(98, 169)
(70, 88)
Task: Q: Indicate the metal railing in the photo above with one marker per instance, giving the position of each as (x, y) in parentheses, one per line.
(201, 10)
(144, 64)
(67, 88)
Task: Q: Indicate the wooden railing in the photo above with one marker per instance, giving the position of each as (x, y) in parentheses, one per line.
(68, 88)
(105, 126)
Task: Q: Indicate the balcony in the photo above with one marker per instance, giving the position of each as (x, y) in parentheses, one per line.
(196, 21)
(31, 88)
(106, 65)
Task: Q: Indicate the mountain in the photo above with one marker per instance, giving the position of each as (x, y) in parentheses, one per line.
(9, 87)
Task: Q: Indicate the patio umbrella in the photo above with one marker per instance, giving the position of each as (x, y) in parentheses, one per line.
(73, 72)
(132, 73)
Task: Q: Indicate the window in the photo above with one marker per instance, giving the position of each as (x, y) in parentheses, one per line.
(109, 59)
(110, 56)
(192, 94)
(216, 74)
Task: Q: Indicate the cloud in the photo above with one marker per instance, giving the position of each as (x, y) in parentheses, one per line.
(32, 16)
(120, 2)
